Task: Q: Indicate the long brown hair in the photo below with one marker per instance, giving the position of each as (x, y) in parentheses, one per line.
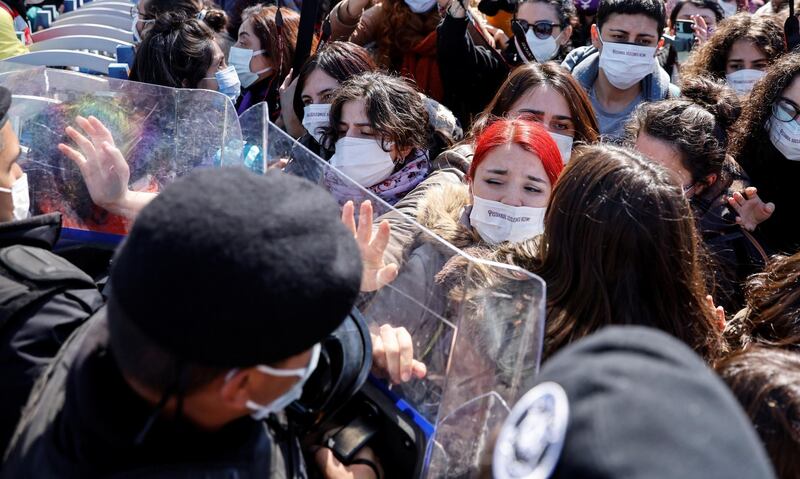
(533, 75)
(401, 30)
(280, 48)
(620, 247)
(766, 382)
(773, 301)
(712, 57)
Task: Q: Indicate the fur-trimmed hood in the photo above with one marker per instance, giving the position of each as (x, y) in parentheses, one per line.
(442, 211)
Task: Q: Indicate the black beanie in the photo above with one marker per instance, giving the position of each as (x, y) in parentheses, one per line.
(227, 268)
(640, 405)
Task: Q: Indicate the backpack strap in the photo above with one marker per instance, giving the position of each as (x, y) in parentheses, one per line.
(28, 274)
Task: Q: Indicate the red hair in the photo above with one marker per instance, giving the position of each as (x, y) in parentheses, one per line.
(531, 136)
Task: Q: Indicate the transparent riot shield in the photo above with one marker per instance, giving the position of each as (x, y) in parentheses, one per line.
(162, 133)
(476, 325)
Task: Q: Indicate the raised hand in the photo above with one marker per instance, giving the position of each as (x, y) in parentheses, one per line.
(750, 209)
(376, 272)
(103, 168)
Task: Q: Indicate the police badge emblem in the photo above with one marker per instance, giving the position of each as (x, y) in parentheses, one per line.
(532, 437)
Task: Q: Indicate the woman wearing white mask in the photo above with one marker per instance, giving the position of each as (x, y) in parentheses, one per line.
(262, 56)
(317, 82)
(739, 51)
(379, 132)
(473, 72)
(766, 143)
(181, 52)
(405, 34)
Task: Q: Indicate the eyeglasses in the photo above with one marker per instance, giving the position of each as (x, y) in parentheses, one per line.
(785, 111)
(542, 29)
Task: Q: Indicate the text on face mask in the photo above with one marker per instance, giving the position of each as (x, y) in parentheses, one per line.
(788, 138)
(628, 53)
(512, 219)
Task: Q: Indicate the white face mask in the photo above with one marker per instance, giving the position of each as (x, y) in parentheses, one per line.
(260, 411)
(626, 65)
(728, 8)
(420, 6)
(20, 197)
(363, 160)
(743, 80)
(564, 144)
(785, 135)
(543, 49)
(315, 117)
(497, 222)
(240, 58)
(227, 82)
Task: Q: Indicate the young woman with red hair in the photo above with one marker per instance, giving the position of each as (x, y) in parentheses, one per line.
(515, 167)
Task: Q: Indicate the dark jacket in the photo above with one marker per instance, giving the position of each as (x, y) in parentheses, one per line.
(265, 90)
(34, 329)
(734, 253)
(471, 74)
(776, 180)
(82, 421)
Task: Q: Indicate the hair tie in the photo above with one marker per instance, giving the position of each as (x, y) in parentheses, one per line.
(201, 15)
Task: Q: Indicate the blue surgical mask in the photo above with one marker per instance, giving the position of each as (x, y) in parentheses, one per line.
(228, 82)
(137, 37)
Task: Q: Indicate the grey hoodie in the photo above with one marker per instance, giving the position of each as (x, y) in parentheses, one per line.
(584, 63)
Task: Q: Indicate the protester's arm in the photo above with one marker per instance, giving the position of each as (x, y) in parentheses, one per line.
(345, 17)
(457, 50)
(103, 168)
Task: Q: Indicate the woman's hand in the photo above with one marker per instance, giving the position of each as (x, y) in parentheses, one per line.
(290, 121)
(393, 355)
(700, 28)
(750, 209)
(376, 273)
(103, 168)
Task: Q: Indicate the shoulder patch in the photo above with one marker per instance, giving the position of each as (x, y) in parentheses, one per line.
(39, 265)
(532, 437)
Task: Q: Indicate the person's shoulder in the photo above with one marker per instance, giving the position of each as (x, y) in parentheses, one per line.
(577, 56)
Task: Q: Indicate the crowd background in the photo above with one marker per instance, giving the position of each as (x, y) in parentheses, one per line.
(640, 157)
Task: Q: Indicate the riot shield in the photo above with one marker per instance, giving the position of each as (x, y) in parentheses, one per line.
(476, 325)
(162, 133)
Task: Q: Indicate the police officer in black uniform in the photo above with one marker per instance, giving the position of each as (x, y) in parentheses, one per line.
(219, 298)
(43, 297)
